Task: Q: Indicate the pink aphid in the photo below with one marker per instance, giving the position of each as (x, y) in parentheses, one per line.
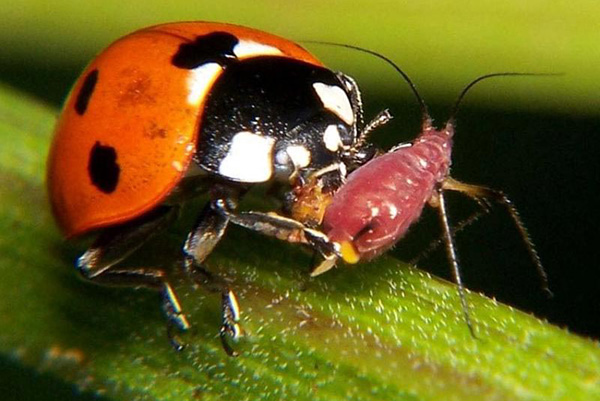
(378, 203)
(383, 198)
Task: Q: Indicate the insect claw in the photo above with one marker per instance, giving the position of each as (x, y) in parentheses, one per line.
(326, 265)
(226, 333)
(174, 339)
(230, 328)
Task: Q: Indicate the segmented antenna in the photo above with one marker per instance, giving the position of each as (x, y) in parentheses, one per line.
(466, 89)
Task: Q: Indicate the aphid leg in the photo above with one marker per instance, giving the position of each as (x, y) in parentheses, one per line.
(115, 244)
(201, 241)
(451, 251)
(435, 244)
(478, 193)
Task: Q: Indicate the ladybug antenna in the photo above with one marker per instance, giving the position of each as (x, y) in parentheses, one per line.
(466, 89)
(413, 88)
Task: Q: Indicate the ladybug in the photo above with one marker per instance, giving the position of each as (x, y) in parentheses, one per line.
(176, 110)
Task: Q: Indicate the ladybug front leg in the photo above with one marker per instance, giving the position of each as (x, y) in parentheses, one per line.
(115, 244)
(280, 227)
(201, 241)
(209, 230)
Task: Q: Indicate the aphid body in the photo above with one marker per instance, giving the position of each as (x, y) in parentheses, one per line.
(388, 195)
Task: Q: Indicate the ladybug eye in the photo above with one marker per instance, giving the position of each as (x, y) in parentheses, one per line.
(346, 135)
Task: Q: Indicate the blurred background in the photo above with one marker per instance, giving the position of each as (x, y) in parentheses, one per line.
(536, 138)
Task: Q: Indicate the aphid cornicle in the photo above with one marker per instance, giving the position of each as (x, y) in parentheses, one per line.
(174, 110)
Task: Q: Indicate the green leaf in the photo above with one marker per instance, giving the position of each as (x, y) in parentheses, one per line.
(380, 331)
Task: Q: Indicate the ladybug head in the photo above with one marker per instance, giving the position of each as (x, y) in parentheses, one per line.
(332, 141)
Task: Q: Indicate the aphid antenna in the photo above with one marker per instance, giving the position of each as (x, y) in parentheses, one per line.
(467, 88)
(496, 195)
(422, 106)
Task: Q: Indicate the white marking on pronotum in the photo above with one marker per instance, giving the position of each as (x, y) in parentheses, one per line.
(249, 158)
(299, 154)
(332, 139)
(200, 81)
(335, 100)
(250, 48)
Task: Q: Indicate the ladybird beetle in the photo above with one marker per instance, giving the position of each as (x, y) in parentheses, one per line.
(174, 110)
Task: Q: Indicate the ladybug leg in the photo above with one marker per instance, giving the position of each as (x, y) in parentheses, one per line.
(230, 327)
(114, 245)
(293, 231)
(201, 241)
(209, 230)
(283, 228)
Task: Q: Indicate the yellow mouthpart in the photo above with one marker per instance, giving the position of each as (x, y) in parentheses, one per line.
(348, 252)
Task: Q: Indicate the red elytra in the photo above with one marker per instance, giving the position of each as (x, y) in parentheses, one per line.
(142, 112)
(174, 111)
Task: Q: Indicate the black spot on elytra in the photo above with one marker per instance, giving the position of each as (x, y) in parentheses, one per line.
(85, 93)
(103, 168)
(215, 47)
